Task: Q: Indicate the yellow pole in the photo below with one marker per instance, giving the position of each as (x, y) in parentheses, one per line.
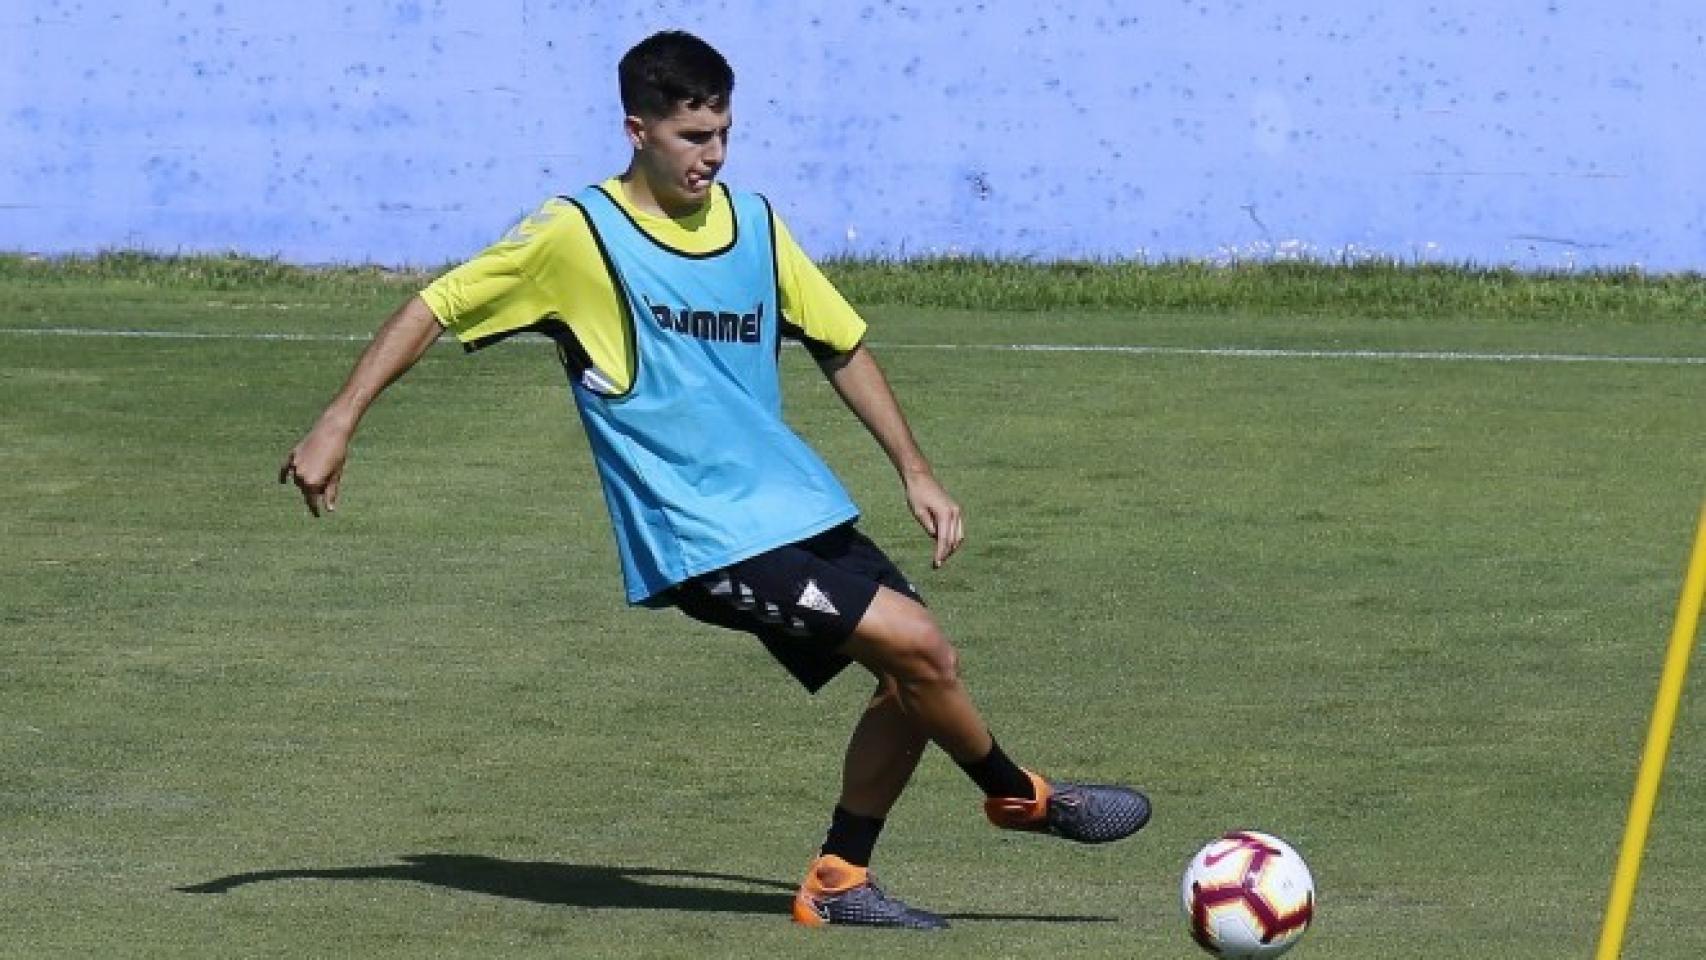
(1653, 757)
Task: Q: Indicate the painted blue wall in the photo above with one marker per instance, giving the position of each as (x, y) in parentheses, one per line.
(1544, 133)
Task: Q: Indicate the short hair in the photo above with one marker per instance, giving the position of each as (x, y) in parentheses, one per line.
(673, 67)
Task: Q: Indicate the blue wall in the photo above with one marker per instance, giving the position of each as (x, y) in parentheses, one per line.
(1544, 133)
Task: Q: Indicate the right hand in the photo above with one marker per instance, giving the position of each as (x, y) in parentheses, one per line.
(317, 463)
(317, 467)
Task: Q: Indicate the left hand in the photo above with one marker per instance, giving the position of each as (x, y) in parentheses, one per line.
(939, 515)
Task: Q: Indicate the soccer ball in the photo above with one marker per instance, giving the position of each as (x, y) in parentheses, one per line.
(1248, 894)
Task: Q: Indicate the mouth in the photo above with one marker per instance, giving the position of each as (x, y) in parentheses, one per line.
(699, 181)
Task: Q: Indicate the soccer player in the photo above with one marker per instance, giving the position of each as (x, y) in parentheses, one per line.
(668, 295)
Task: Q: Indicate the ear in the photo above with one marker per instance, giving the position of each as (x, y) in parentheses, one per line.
(635, 128)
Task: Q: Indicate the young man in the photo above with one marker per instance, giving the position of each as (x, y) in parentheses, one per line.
(668, 294)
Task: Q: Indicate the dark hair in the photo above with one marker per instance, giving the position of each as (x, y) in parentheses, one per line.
(671, 68)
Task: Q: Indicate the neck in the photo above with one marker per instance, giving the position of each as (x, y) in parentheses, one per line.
(640, 193)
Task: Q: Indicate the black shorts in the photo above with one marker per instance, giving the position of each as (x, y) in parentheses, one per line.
(802, 601)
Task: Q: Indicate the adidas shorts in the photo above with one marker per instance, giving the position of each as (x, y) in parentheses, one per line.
(802, 601)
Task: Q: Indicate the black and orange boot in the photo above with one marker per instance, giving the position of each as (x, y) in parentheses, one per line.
(1084, 812)
(837, 893)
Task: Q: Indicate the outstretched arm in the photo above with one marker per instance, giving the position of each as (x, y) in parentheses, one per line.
(316, 464)
(862, 386)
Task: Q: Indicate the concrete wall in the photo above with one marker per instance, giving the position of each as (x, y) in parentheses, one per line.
(1547, 133)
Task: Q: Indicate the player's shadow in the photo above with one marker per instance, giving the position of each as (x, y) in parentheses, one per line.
(583, 885)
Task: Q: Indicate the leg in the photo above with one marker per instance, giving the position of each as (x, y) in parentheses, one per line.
(881, 755)
(899, 639)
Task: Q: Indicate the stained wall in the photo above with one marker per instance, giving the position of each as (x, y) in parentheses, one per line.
(1541, 133)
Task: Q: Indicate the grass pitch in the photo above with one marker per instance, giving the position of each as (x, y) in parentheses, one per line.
(1408, 614)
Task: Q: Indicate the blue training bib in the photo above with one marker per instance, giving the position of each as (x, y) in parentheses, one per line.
(698, 468)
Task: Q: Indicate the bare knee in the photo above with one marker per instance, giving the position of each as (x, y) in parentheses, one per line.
(900, 642)
(927, 658)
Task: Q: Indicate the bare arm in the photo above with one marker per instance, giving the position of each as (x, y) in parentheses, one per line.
(862, 386)
(316, 464)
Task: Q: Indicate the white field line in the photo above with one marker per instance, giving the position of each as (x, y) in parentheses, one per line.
(1288, 353)
(185, 335)
(1258, 353)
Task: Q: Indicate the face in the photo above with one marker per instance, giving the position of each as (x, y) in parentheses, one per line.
(679, 155)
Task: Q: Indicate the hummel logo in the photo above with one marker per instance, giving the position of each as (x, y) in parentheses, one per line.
(813, 598)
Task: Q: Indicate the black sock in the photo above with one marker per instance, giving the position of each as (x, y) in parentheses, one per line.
(999, 776)
(852, 837)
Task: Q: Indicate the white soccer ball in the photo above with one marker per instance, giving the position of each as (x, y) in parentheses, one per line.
(1248, 894)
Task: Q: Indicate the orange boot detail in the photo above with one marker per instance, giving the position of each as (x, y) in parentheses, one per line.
(1019, 813)
(828, 875)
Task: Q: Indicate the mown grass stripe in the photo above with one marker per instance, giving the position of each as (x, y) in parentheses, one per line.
(1259, 353)
(1266, 286)
(1287, 353)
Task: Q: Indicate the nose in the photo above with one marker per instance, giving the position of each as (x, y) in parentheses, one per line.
(715, 151)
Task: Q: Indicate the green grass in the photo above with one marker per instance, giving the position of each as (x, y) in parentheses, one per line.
(1407, 614)
(1374, 288)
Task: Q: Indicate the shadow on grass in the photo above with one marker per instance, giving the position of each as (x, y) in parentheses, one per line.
(579, 885)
